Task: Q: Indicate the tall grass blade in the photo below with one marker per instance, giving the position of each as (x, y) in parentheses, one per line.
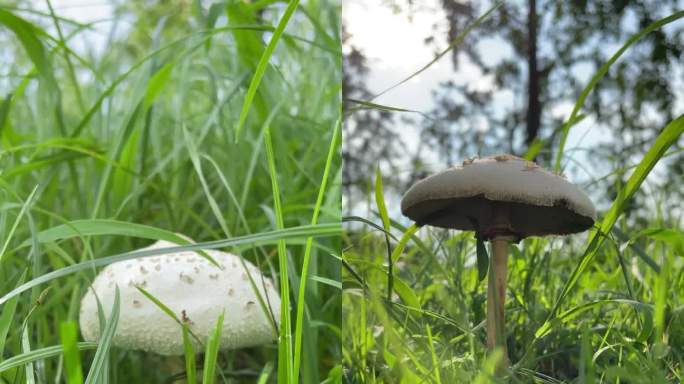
(667, 137)
(211, 353)
(599, 75)
(262, 65)
(435, 362)
(96, 373)
(194, 157)
(380, 200)
(100, 227)
(26, 348)
(67, 55)
(4, 112)
(189, 352)
(40, 354)
(156, 84)
(301, 298)
(382, 211)
(319, 230)
(22, 212)
(403, 241)
(167, 311)
(120, 79)
(456, 41)
(26, 34)
(265, 373)
(369, 105)
(68, 333)
(285, 357)
(7, 314)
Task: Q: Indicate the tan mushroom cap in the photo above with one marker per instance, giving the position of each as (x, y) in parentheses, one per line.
(536, 201)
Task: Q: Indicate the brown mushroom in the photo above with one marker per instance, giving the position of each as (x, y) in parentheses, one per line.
(503, 199)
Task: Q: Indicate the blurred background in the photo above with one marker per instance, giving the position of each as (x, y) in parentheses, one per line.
(513, 81)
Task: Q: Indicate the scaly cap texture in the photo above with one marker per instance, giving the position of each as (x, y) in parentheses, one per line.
(194, 289)
(465, 197)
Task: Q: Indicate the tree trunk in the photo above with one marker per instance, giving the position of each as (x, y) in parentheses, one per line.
(533, 104)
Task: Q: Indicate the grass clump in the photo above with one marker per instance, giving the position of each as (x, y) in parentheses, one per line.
(109, 144)
(602, 307)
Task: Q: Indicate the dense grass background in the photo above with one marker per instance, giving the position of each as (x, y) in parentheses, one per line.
(605, 306)
(216, 121)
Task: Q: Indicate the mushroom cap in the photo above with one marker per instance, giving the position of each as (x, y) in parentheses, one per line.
(467, 197)
(194, 289)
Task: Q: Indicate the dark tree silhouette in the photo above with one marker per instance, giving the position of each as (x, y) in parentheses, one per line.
(555, 48)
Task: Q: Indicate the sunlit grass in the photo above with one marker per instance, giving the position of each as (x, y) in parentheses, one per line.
(600, 307)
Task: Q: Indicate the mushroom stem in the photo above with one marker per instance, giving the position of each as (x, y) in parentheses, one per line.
(496, 297)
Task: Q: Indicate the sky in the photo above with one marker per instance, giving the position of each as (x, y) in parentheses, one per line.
(393, 41)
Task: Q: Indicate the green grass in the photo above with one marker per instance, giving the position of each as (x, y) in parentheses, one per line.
(103, 153)
(602, 307)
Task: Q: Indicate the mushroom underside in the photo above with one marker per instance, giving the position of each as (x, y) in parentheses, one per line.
(477, 214)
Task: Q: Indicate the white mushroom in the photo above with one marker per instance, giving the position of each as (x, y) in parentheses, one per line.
(503, 198)
(194, 289)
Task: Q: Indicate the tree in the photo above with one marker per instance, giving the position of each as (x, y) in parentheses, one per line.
(555, 47)
(366, 131)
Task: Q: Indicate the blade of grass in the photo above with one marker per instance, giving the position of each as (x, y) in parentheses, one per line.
(299, 327)
(262, 65)
(408, 235)
(369, 105)
(167, 311)
(21, 214)
(324, 280)
(667, 137)
(265, 373)
(487, 373)
(102, 321)
(433, 354)
(99, 227)
(26, 348)
(26, 33)
(95, 227)
(8, 314)
(382, 211)
(70, 66)
(369, 223)
(211, 353)
(599, 75)
(120, 79)
(194, 158)
(456, 41)
(96, 373)
(319, 230)
(189, 352)
(68, 333)
(4, 112)
(285, 358)
(406, 294)
(156, 84)
(40, 354)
